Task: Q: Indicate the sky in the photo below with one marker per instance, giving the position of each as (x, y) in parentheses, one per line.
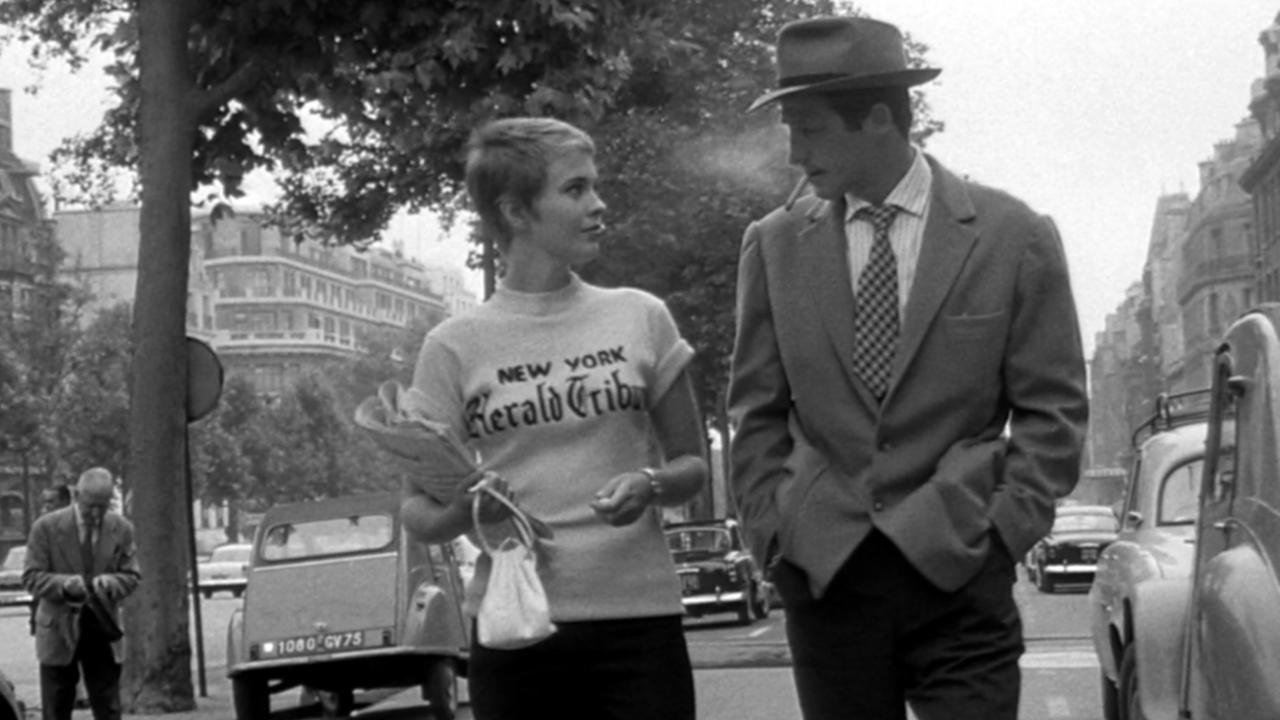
(1089, 111)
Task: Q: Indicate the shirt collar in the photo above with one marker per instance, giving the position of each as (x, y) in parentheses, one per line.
(910, 195)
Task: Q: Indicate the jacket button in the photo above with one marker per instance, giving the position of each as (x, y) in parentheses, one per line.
(877, 505)
(885, 446)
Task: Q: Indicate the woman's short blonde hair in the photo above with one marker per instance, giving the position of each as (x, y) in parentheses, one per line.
(508, 159)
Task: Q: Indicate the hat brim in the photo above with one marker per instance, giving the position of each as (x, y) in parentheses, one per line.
(905, 78)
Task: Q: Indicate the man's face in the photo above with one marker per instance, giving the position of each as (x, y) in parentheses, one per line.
(836, 159)
(50, 501)
(94, 504)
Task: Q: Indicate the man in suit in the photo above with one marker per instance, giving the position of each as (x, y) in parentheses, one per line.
(908, 395)
(81, 565)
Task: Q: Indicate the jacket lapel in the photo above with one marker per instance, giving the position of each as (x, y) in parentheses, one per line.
(948, 238)
(824, 280)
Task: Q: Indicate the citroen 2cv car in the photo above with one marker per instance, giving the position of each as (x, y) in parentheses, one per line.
(717, 572)
(1157, 527)
(1069, 553)
(340, 598)
(1207, 645)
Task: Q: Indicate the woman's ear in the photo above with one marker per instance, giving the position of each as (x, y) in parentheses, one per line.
(513, 214)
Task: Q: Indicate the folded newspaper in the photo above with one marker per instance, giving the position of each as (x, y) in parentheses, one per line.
(396, 418)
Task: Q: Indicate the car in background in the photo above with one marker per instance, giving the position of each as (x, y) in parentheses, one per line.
(10, 707)
(12, 591)
(1207, 645)
(226, 569)
(341, 598)
(1156, 541)
(1068, 555)
(717, 572)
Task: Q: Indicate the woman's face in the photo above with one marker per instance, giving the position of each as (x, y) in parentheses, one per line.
(568, 216)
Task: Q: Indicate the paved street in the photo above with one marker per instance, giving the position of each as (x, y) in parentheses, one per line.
(741, 672)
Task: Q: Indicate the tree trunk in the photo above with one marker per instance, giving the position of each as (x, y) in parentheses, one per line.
(157, 671)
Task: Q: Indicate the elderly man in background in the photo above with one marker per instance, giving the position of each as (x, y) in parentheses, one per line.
(80, 566)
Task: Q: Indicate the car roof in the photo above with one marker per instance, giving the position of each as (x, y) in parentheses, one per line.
(333, 507)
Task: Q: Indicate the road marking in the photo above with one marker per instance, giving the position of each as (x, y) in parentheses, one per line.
(1068, 660)
(758, 632)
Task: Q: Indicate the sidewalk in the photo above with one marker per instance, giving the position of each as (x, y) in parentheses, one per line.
(706, 656)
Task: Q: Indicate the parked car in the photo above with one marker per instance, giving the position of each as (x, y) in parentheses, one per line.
(341, 598)
(10, 707)
(12, 591)
(1206, 645)
(226, 569)
(1069, 553)
(717, 572)
(1157, 527)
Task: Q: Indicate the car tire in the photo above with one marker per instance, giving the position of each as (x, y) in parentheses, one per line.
(1110, 698)
(208, 594)
(1044, 583)
(336, 703)
(250, 698)
(1129, 699)
(761, 604)
(441, 689)
(237, 592)
(744, 608)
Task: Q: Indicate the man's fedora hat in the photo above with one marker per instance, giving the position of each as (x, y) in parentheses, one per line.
(841, 53)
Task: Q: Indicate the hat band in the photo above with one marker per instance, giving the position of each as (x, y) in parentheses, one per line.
(810, 79)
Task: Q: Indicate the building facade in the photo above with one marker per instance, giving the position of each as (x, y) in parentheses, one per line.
(1262, 178)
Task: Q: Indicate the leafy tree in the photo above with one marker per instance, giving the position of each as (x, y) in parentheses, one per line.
(211, 90)
(91, 418)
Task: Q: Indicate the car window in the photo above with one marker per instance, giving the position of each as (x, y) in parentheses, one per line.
(330, 536)
(1084, 522)
(1180, 494)
(707, 540)
(231, 554)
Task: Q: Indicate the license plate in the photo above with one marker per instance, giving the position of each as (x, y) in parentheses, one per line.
(1089, 554)
(689, 582)
(319, 643)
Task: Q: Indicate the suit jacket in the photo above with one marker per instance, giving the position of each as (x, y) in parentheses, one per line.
(53, 555)
(983, 421)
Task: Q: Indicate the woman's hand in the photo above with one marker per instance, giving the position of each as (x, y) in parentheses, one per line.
(623, 499)
(491, 509)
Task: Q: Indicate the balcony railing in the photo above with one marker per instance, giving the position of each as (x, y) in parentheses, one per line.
(283, 339)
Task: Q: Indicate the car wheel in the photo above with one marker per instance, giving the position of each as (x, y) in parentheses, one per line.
(1129, 698)
(1110, 698)
(237, 592)
(337, 703)
(1044, 583)
(441, 689)
(744, 608)
(762, 603)
(208, 594)
(250, 699)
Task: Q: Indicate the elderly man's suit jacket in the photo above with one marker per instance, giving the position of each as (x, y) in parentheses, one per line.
(53, 554)
(984, 418)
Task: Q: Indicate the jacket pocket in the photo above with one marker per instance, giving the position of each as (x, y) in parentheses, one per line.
(968, 328)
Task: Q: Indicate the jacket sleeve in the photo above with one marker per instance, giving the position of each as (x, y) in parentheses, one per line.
(37, 573)
(1047, 392)
(759, 402)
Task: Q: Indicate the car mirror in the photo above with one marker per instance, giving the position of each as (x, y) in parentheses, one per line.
(1133, 519)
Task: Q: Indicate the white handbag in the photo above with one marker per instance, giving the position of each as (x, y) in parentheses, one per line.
(513, 612)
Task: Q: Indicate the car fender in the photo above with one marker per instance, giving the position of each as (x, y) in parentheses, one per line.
(1159, 623)
(235, 639)
(429, 622)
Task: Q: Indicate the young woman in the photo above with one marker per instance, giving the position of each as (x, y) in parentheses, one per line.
(578, 399)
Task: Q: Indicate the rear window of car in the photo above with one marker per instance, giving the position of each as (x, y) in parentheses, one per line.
(1084, 522)
(1180, 494)
(329, 536)
(707, 540)
(15, 558)
(231, 554)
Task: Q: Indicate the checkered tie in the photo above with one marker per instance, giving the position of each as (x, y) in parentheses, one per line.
(876, 318)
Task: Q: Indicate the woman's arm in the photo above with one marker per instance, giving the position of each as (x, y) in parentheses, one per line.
(680, 432)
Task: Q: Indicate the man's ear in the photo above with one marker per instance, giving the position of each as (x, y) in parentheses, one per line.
(880, 116)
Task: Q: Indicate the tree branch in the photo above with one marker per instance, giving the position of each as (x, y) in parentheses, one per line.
(245, 77)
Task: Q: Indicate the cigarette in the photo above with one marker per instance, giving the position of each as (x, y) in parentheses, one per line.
(795, 194)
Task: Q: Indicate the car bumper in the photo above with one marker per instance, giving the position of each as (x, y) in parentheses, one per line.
(1070, 569)
(305, 661)
(713, 599)
(14, 597)
(223, 584)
